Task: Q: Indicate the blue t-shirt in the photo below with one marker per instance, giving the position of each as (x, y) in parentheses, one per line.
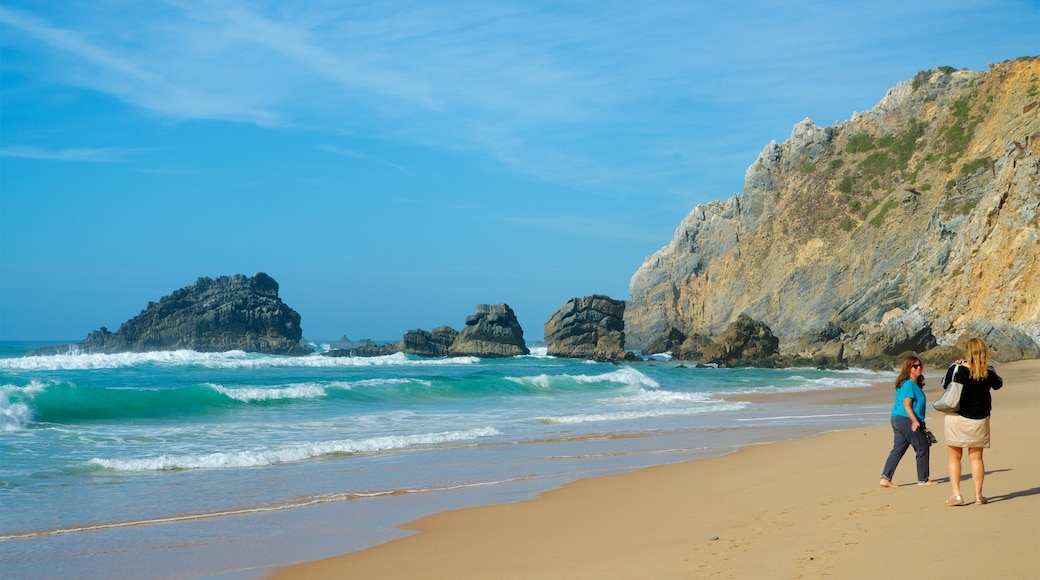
(909, 390)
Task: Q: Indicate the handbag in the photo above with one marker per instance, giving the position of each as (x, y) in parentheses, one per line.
(950, 400)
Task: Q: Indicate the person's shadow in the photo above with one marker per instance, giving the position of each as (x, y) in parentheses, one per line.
(1015, 494)
(995, 498)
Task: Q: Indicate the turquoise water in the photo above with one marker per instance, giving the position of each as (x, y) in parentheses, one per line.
(184, 464)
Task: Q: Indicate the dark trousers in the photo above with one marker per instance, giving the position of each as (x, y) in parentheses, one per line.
(903, 438)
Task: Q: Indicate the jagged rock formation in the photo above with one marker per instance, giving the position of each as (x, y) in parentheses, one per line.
(901, 229)
(435, 343)
(229, 313)
(745, 342)
(670, 340)
(493, 332)
(592, 328)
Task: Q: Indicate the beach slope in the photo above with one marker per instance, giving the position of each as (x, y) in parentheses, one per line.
(803, 508)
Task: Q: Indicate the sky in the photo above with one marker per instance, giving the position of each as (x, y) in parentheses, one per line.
(393, 164)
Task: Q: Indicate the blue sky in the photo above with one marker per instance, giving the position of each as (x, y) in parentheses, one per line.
(394, 164)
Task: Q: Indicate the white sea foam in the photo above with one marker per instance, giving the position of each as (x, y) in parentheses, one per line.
(539, 351)
(14, 416)
(235, 359)
(387, 382)
(251, 394)
(642, 414)
(15, 413)
(662, 396)
(625, 375)
(290, 453)
(798, 383)
(304, 390)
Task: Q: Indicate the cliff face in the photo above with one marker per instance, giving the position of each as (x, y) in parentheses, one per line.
(229, 313)
(924, 207)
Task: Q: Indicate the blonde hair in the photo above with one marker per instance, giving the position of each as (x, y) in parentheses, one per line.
(978, 359)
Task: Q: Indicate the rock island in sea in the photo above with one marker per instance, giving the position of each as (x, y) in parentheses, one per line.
(228, 313)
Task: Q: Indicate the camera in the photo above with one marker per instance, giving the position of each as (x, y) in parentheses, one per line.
(931, 437)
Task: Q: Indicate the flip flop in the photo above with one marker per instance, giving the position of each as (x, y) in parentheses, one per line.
(954, 501)
(981, 500)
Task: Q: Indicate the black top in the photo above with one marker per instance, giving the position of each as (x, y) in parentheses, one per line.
(976, 402)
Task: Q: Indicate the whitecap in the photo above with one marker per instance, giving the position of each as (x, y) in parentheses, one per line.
(626, 375)
(251, 394)
(289, 453)
(662, 397)
(14, 416)
(235, 359)
(714, 407)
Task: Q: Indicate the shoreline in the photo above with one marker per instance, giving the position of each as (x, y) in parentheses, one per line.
(804, 507)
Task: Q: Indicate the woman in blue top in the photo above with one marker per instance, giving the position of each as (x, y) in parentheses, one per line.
(908, 423)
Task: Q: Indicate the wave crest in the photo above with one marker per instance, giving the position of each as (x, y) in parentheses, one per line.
(235, 359)
(289, 453)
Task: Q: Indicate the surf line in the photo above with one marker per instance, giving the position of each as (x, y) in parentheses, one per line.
(327, 498)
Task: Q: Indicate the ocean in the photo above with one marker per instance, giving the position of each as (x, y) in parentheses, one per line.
(221, 465)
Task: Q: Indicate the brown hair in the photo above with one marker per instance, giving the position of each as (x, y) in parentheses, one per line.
(978, 359)
(904, 374)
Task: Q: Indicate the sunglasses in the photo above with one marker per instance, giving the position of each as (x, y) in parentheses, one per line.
(915, 366)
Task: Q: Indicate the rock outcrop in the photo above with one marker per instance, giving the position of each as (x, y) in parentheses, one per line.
(670, 341)
(745, 342)
(493, 332)
(592, 328)
(904, 228)
(229, 313)
(435, 343)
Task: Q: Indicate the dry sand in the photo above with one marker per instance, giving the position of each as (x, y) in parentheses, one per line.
(805, 508)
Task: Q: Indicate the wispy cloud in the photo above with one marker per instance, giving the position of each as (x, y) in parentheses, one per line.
(97, 155)
(360, 156)
(593, 96)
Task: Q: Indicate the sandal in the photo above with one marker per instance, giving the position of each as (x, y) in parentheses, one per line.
(981, 500)
(954, 501)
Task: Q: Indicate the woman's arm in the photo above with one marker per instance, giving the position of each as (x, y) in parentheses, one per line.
(995, 382)
(908, 404)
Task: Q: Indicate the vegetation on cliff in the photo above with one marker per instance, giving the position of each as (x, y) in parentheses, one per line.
(927, 203)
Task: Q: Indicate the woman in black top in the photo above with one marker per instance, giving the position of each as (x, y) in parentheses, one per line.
(969, 426)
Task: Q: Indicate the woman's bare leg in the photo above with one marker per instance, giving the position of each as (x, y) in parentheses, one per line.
(954, 455)
(978, 469)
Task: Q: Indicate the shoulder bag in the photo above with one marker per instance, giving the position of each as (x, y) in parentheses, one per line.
(950, 400)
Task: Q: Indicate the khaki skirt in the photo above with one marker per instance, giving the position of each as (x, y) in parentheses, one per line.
(962, 432)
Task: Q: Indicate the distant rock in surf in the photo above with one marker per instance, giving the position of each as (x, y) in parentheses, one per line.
(229, 313)
(493, 332)
(592, 327)
(745, 342)
(434, 343)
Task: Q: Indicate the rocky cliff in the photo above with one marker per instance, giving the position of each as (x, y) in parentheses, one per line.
(229, 313)
(902, 228)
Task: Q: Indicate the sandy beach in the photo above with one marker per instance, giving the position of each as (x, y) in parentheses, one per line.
(805, 508)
